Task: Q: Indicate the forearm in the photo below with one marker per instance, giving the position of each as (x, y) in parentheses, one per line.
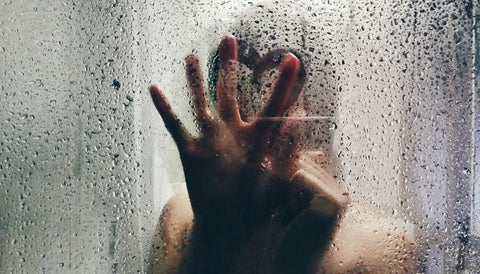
(307, 237)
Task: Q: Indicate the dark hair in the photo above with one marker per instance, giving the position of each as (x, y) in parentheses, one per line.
(249, 56)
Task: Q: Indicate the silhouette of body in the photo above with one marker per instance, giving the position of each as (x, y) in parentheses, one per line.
(256, 204)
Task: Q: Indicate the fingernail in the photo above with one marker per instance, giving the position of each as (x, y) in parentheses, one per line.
(290, 63)
(153, 88)
(229, 36)
(228, 48)
(290, 57)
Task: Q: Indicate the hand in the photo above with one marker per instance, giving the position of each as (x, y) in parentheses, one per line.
(256, 201)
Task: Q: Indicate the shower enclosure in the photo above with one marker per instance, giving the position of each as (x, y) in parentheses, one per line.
(86, 164)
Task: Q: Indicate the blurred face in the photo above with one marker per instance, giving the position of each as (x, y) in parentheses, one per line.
(265, 34)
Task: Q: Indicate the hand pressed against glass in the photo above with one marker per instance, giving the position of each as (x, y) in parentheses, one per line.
(238, 187)
(259, 205)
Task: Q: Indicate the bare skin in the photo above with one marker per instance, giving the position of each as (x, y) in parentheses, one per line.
(255, 203)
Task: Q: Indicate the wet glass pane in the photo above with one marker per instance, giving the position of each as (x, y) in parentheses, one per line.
(389, 95)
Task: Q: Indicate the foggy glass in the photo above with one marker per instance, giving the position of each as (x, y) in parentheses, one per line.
(86, 164)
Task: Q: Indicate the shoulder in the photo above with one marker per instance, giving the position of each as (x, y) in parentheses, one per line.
(366, 242)
(173, 232)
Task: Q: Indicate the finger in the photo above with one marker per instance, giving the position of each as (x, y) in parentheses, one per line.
(315, 173)
(317, 182)
(201, 109)
(319, 159)
(284, 87)
(304, 186)
(228, 81)
(279, 101)
(179, 134)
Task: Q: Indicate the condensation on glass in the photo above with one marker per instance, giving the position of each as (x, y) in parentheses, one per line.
(86, 164)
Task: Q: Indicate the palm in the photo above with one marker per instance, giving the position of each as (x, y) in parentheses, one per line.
(239, 188)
